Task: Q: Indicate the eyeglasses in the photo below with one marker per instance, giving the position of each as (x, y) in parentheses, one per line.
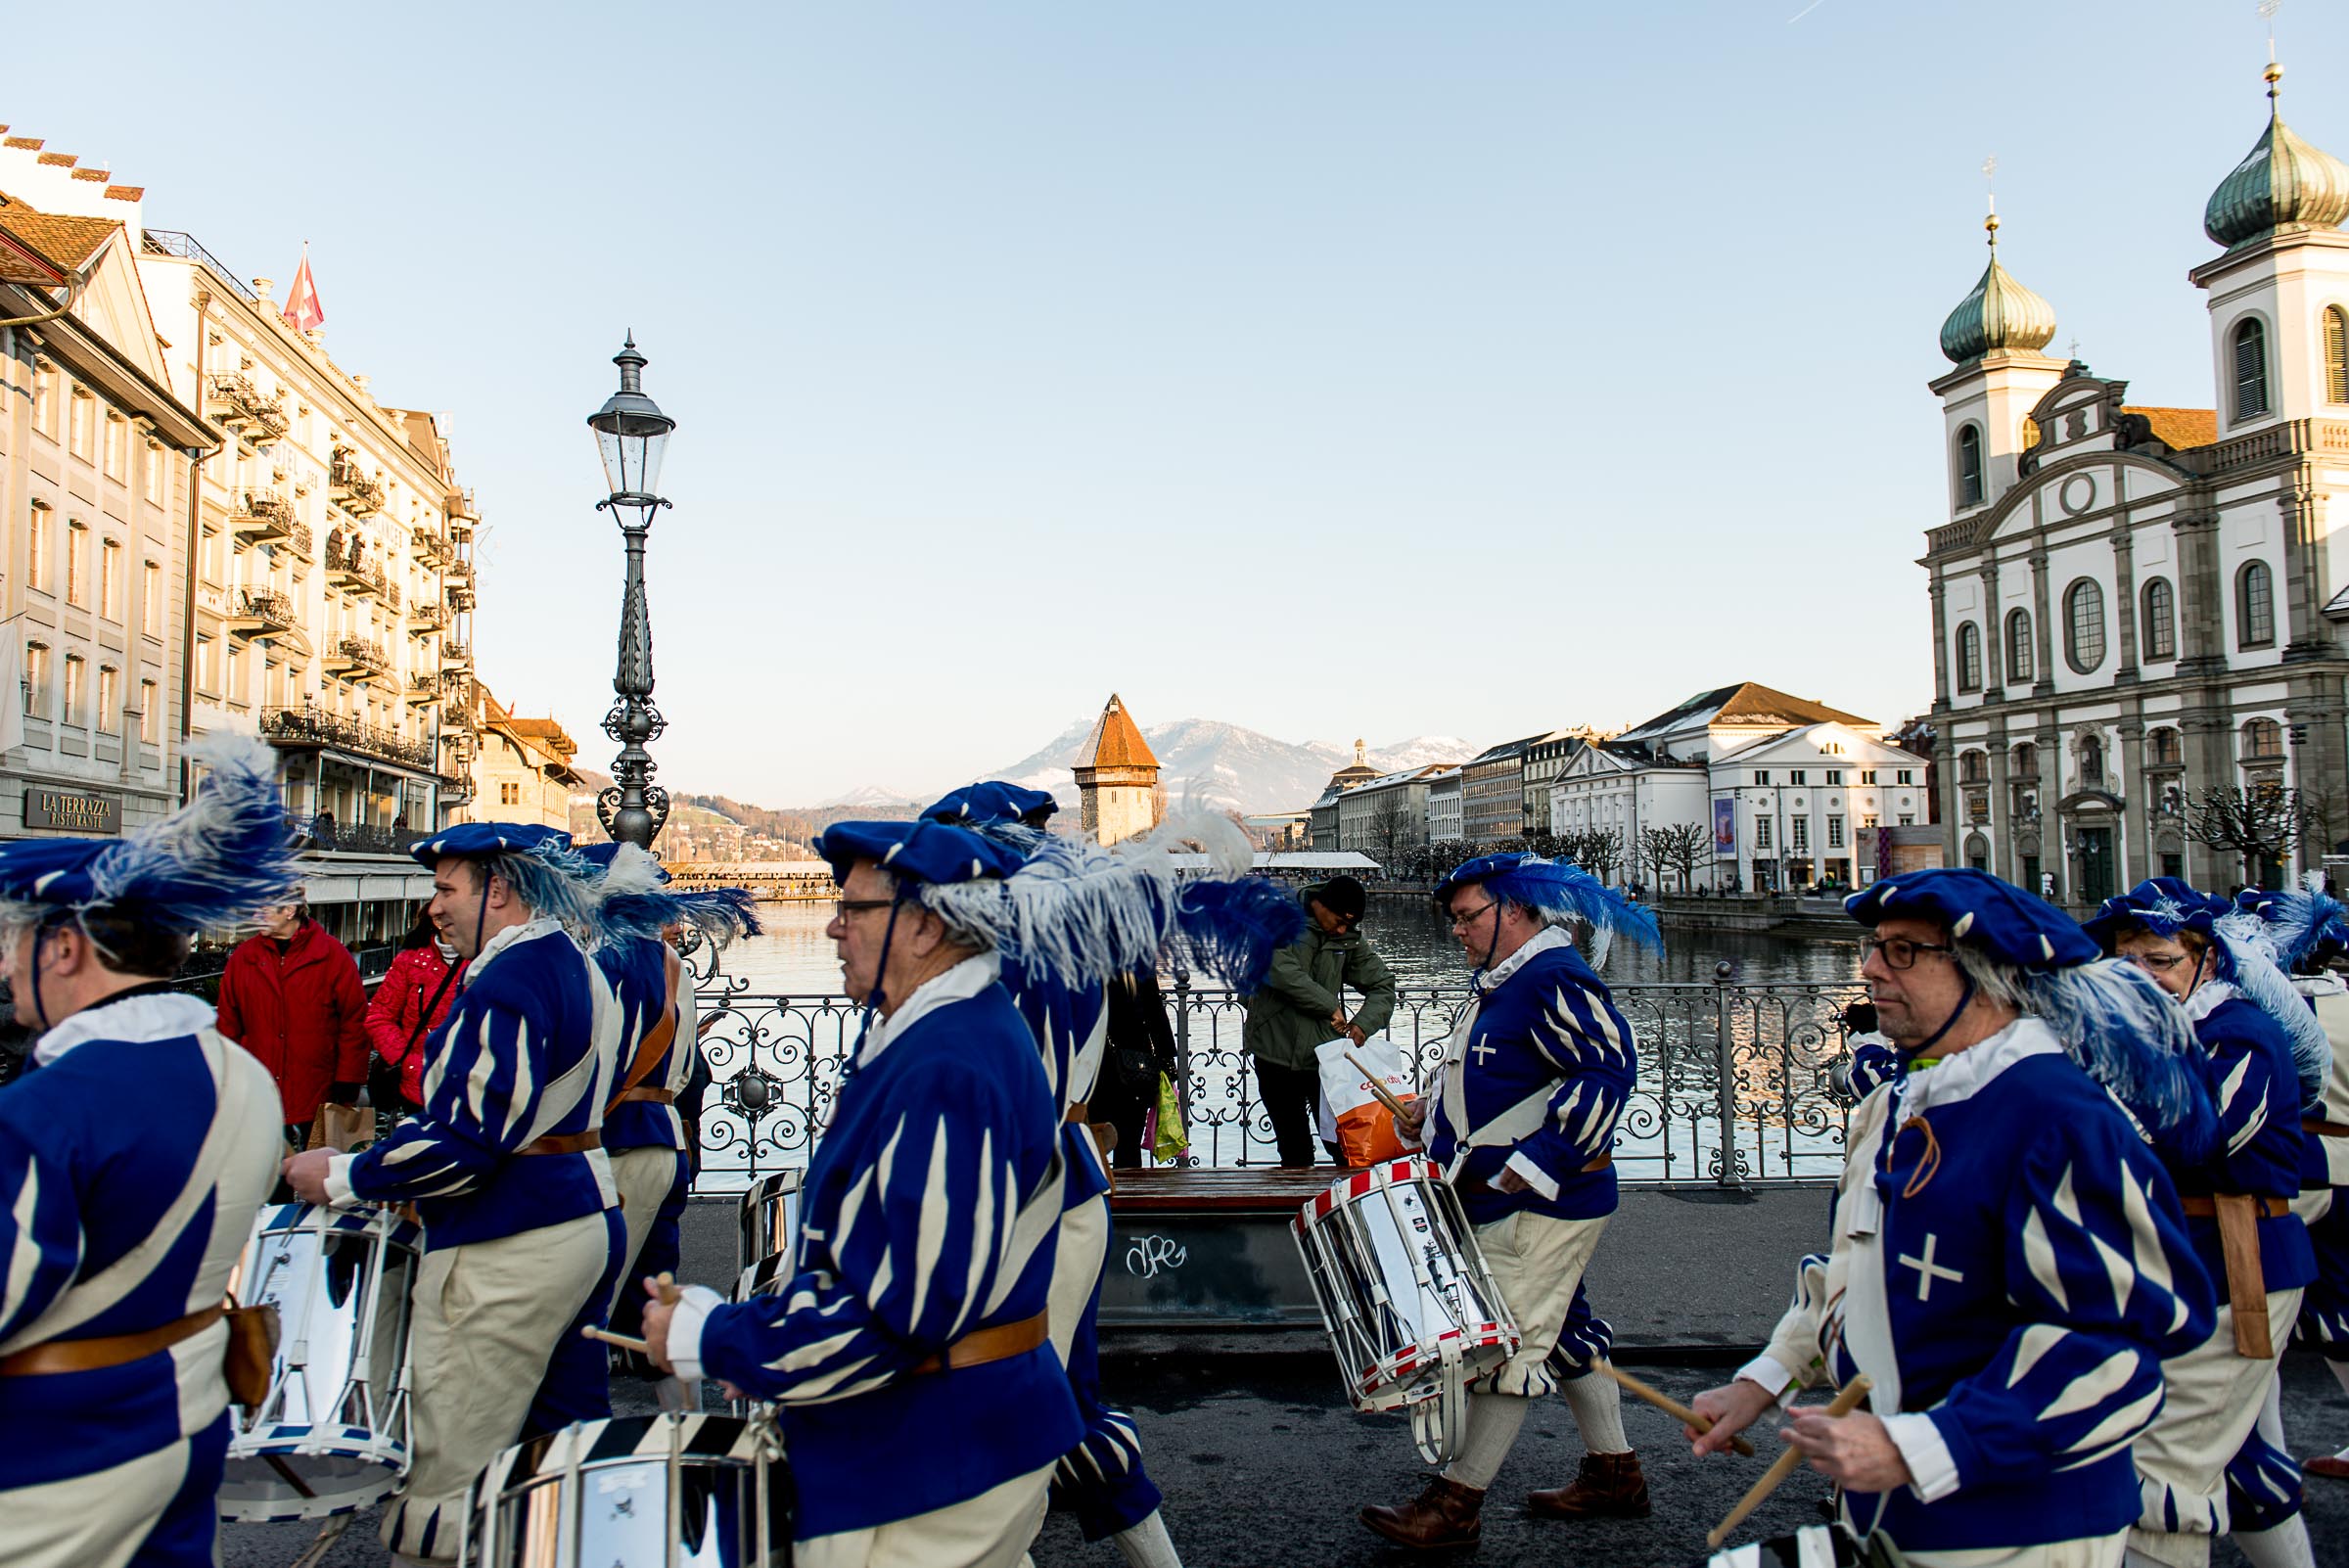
(2156, 963)
(1898, 953)
(1461, 922)
(842, 909)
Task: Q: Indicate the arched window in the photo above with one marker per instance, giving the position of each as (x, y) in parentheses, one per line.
(2092, 762)
(2162, 750)
(2263, 740)
(1969, 465)
(2018, 645)
(2084, 626)
(1969, 657)
(2251, 368)
(2254, 606)
(2026, 760)
(2159, 623)
(2337, 354)
(1973, 768)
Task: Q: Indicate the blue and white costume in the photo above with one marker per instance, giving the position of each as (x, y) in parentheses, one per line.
(643, 1135)
(121, 1214)
(2205, 1461)
(2010, 1264)
(506, 1169)
(908, 1358)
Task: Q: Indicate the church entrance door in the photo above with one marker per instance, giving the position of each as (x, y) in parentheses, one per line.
(2095, 865)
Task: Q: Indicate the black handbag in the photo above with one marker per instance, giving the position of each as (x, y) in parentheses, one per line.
(383, 1077)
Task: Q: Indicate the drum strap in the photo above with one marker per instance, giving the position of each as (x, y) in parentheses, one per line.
(107, 1350)
(655, 1039)
(233, 1112)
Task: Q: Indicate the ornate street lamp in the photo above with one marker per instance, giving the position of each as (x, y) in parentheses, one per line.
(632, 434)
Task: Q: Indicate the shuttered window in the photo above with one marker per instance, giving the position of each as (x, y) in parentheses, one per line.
(2250, 369)
(2337, 356)
(1969, 465)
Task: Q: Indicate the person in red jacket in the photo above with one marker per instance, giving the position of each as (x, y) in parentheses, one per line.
(292, 996)
(420, 979)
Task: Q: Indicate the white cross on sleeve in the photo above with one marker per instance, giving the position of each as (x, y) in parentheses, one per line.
(1927, 1270)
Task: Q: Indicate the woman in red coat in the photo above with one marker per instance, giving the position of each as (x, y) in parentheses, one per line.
(419, 979)
(292, 996)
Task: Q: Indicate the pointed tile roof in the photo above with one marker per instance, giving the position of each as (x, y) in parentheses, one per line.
(1747, 703)
(1116, 742)
(66, 242)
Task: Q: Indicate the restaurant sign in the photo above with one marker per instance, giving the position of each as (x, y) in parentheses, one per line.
(71, 811)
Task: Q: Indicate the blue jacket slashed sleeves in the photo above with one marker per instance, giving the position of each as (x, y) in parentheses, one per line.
(2257, 1092)
(527, 1052)
(1534, 1079)
(928, 1212)
(637, 969)
(1072, 1032)
(2011, 1275)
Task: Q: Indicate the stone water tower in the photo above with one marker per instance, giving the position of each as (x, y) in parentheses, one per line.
(1118, 779)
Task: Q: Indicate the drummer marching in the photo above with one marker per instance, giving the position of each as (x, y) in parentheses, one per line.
(506, 1168)
(134, 1155)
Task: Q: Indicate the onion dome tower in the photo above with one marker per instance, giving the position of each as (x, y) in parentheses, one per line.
(2284, 186)
(1999, 313)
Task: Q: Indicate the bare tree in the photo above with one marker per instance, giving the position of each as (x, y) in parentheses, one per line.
(1389, 830)
(1675, 849)
(2258, 825)
(1599, 851)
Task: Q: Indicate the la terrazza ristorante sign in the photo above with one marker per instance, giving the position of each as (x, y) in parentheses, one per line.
(71, 811)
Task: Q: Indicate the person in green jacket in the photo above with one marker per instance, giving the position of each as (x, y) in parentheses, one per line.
(1303, 1003)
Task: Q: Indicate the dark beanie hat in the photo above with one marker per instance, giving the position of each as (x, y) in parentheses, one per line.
(1339, 896)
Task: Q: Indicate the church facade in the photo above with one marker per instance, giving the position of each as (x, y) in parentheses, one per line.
(2135, 608)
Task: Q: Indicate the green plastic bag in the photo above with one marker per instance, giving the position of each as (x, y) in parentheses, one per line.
(1167, 1140)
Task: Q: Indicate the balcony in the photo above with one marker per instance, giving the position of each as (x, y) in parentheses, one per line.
(461, 508)
(317, 727)
(304, 545)
(358, 659)
(460, 597)
(424, 688)
(268, 617)
(455, 655)
(238, 404)
(261, 516)
(391, 595)
(429, 546)
(425, 618)
(346, 566)
(353, 490)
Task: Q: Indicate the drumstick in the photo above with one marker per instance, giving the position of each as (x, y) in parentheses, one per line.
(1373, 1081)
(1668, 1404)
(1783, 1466)
(590, 1331)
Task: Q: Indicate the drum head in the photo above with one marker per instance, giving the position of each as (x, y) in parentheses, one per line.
(607, 1492)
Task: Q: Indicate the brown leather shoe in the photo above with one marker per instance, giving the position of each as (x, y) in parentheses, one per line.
(1609, 1485)
(1445, 1515)
(2335, 1469)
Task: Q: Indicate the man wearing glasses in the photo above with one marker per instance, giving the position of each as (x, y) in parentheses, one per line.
(1303, 1003)
(2011, 1264)
(1536, 1073)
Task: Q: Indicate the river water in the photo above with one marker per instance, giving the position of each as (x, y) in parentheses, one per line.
(793, 958)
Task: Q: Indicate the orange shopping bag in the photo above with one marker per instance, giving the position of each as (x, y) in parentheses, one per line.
(1352, 1116)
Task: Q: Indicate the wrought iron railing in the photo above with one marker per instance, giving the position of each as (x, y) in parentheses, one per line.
(320, 726)
(1737, 1085)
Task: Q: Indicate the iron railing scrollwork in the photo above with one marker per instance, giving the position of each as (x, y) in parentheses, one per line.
(1737, 1086)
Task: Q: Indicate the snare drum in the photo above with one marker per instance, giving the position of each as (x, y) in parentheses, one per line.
(332, 1433)
(1412, 1312)
(770, 1222)
(669, 1491)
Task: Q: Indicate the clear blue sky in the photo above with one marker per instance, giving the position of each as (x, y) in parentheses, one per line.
(1337, 368)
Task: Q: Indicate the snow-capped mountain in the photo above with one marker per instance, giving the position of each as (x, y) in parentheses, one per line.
(1206, 762)
(871, 796)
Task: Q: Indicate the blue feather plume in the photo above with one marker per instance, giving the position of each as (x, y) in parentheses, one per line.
(720, 914)
(2300, 920)
(2247, 959)
(1559, 890)
(2128, 1034)
(1231, 930)
(216, 862)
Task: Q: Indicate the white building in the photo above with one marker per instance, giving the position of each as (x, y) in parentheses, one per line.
(2136, 606)
(1780, 786)
(1387, 815)
(1444, 816)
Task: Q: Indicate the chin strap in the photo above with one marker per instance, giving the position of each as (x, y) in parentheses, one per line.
(1965, 999)
(874, 998)
(40, 935)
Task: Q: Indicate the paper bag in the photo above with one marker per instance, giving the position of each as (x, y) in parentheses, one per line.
(341, 1128)
(1353, 1118)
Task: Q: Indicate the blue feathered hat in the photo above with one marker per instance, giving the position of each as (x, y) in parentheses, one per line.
(632, 898)
(1557, 890)
(936, 854)
(989, 802)
(216, 862)
(2301, 923)
(2163, 905)
(2005, 922)
(536, 862)
(2117, 1026)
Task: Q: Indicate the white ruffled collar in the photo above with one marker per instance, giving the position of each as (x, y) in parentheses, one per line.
(961, 983)
(155, 1016)
(1962, 1075)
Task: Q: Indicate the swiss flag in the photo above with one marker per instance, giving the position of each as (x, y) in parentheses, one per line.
(302, 310)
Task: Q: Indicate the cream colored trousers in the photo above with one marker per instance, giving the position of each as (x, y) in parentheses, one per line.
(2096, 1551)
(990, 1531)
(1537, 1262)
(643, 1178)
(2211, 1400)
(1081, 1245)
(487, 1318)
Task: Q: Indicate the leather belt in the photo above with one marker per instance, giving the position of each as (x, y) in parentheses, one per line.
(1076, 1114)
(562, 1143)
(648, 1096)
(997, 1344)
(2239, 1214)
(108, 1350)
(2325, 1129)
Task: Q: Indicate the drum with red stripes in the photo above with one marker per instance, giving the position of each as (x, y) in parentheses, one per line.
(1411, 1308)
